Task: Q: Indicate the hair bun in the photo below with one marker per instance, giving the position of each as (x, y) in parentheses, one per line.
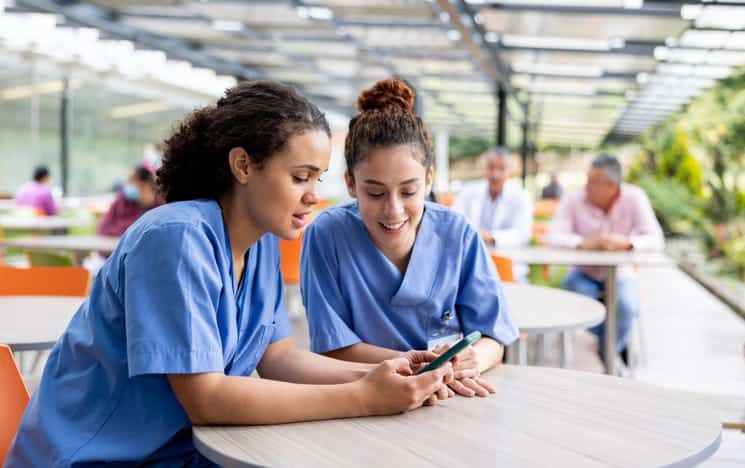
(391, 93)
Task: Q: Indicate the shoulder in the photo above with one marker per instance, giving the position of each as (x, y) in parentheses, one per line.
(634, 194)
(199, 220)
(473, 188)
(446, 222)
(333, 220)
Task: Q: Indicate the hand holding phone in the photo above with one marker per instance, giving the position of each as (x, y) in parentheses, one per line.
(450, 353)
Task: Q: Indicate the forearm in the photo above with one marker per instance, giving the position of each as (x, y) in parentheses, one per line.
(300, 366)
(363, 352)
(225, 399)
(489, 352)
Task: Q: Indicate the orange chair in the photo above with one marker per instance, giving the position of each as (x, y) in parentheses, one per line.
(545, 208)
(289, 254)
(13, 402)
(44, 281)
(446, 198)
(504, 268)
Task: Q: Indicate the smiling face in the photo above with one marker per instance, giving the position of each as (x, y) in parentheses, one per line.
(390, 185)
(280, 193)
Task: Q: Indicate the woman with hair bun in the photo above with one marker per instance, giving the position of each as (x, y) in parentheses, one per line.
(391, 272)
(190, 303)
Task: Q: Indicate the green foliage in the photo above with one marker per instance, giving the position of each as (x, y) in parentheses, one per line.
(678, 162)
(677, 209)
(468, 146)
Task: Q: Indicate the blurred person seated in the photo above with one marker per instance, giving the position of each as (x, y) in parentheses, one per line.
(37, 193)
(137, 195)
(553, 190)
(501, 212)
(612, 216)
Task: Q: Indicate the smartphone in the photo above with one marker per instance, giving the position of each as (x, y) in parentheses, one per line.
(450, 353)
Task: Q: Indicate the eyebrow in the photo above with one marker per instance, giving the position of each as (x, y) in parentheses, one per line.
(376, 182)
(308, 166)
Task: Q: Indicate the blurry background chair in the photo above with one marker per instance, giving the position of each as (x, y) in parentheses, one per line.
(13, 400)
(289, 253)
(504, 268)
(44, 281)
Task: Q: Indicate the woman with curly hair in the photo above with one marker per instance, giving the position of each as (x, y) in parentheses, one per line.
(391, 272)
(190, 304)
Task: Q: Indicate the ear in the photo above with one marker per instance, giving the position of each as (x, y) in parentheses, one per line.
(349, 180)
(241, 165)
(428, 181)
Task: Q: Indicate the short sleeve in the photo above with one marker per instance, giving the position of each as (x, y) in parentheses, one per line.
(329, 319)
(481, 304)
(171, 290)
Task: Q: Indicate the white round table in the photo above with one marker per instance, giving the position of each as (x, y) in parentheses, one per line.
(537, 310)
(80, 246)
(610, 260)
(35, 322)
(538, 417)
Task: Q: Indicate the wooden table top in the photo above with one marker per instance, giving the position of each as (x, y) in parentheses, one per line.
(538, 417)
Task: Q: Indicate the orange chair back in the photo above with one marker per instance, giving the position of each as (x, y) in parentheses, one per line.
(13, 401)
(289, 254)
(44, 281)
(504, 268)
(446, 198)
(545, 208)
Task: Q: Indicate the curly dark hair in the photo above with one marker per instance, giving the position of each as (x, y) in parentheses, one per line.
(386, 119)
(258, 116)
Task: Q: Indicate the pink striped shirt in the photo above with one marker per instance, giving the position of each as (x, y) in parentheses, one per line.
(631, 215)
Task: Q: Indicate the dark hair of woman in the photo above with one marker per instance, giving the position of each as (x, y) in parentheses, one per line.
(40, 172)
(258, 116)
(386, 119)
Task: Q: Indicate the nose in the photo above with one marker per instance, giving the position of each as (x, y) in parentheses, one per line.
(311, 198)
(393, 208)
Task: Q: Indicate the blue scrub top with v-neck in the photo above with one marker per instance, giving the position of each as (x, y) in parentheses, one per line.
(353, 293)
(165, 302)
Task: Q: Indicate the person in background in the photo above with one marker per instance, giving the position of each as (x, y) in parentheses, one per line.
(135, 197)
(37, 194)
(500, 211)
(606, 215)
(391, 272)
(553, 190)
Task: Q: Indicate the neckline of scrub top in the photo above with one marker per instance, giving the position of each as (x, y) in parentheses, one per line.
(239, 289)
(419, 272)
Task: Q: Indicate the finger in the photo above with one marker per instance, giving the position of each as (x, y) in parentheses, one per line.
(430, 381)
(431, 400)
(419, 357)
(470, 373)
(451, 393)
(399, 365)
(461, 389)
(486, 385)
(473, 385)
(442, 392)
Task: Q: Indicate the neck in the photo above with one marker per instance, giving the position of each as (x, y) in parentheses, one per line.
(242, 232)
(494, 193)
(610, 202)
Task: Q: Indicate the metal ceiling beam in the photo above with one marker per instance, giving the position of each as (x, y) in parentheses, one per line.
(659, 9)
(645, 48)
(487, 57)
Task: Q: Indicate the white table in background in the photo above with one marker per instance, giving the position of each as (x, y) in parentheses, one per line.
(42, 223)
(610, 260)
(78, 245)
(538, 417)
(538, 309)
(34, 323)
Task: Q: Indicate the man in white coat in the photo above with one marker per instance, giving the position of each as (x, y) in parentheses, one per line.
(502, 212)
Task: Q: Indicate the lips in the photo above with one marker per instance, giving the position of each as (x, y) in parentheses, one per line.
(300, 219)
(393, 228)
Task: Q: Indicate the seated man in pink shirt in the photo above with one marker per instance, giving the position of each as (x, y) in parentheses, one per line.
(606, 215)
(37, 194)
(138, 195)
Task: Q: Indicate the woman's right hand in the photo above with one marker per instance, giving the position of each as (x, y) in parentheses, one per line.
(392, 388)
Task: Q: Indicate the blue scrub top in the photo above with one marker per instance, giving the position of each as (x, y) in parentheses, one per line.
(165, 302)
(353, 293)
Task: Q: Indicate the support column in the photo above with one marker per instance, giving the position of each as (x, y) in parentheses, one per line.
(501, 117)
(442, 163)
(65, 133)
